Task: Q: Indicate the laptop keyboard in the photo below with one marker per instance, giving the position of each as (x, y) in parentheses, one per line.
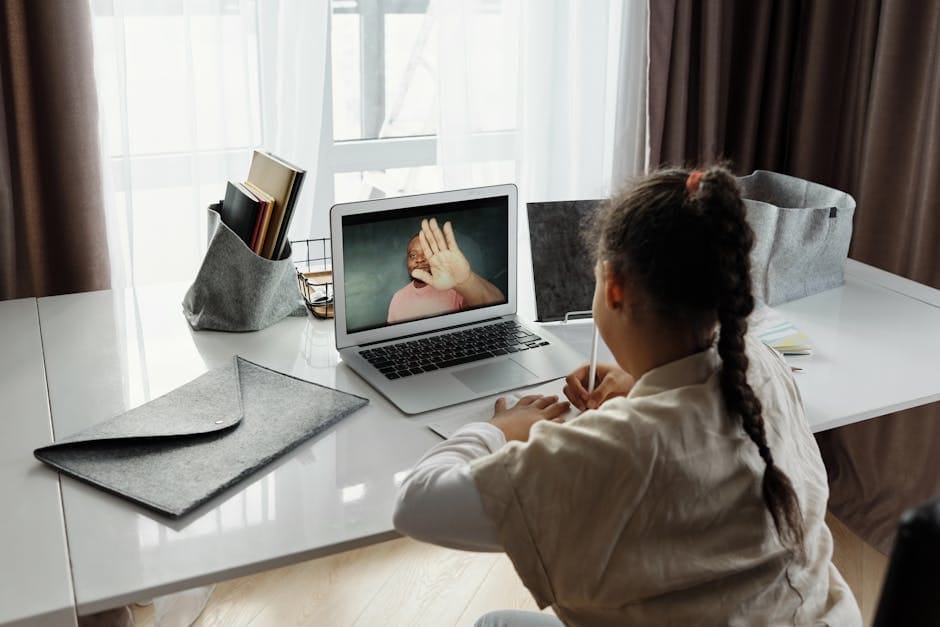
(451, 349)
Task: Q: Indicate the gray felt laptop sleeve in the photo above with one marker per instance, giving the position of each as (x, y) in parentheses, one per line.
(181, 449)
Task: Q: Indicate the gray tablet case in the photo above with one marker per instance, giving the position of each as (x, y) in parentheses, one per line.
(181, 449)
(562, 268)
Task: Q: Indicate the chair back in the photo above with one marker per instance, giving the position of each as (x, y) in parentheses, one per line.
(910, 595)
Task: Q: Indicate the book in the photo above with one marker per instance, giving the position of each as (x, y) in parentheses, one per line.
(282, 238)
(279, 179)
(264, 217)
(239, 210)
(780, 334)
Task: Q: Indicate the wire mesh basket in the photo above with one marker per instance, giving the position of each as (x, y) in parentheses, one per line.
(313, 259)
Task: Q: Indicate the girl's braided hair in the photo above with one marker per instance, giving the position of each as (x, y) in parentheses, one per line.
(683, 239)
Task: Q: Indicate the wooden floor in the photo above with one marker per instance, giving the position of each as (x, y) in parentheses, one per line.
(407, 583)
(861, 564)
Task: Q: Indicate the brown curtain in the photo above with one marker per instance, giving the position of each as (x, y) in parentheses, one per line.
(765, 84)
(880, 467)
(900, 174)
(845, 93)
(52, 230)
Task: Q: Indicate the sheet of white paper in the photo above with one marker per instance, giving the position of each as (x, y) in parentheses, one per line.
(447, 421)
(579, 334)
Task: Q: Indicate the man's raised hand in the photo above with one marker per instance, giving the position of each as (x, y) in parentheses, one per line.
(449, 267)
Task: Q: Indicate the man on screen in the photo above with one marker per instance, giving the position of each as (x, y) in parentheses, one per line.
(442, 281)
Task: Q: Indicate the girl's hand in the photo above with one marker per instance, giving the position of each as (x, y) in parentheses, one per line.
(516, 422)
(611, 380)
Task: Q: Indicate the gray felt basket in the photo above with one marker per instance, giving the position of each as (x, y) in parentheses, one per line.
(802, 234)
(236, 290)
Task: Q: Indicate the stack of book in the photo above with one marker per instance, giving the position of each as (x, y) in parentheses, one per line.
(259, 210)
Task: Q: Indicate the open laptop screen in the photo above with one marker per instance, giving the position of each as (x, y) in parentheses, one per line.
(381, 249)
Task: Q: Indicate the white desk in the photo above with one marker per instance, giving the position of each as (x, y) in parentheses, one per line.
(878, 350)
(109, 351)
(876, 347)
(35, 581)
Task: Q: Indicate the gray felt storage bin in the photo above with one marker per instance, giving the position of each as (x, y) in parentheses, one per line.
(802, 234)
(236, 290)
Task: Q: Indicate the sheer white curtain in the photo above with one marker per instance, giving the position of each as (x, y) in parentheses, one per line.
(187, 88)
(549, 94)
(574, 73)
(295, 118)
(580, 95)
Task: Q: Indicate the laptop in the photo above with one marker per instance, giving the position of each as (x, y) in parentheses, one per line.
(453, 336)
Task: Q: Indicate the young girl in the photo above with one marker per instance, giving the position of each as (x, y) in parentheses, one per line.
(690, 490)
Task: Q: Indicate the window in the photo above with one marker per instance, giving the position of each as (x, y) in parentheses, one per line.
(385, 62)
(178, 104)
(180, 85)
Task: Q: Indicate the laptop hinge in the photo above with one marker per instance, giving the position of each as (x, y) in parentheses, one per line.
(436, 332)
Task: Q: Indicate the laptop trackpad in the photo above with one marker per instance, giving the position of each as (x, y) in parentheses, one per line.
(503, 375)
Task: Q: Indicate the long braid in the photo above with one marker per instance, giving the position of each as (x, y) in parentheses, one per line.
(689, 251)
(720, 202)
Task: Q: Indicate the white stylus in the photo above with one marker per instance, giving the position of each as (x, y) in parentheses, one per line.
(592, 372)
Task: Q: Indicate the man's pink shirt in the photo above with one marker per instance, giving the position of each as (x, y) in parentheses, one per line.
(411, 302)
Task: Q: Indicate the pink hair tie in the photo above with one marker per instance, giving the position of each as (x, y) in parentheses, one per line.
(692, 183)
